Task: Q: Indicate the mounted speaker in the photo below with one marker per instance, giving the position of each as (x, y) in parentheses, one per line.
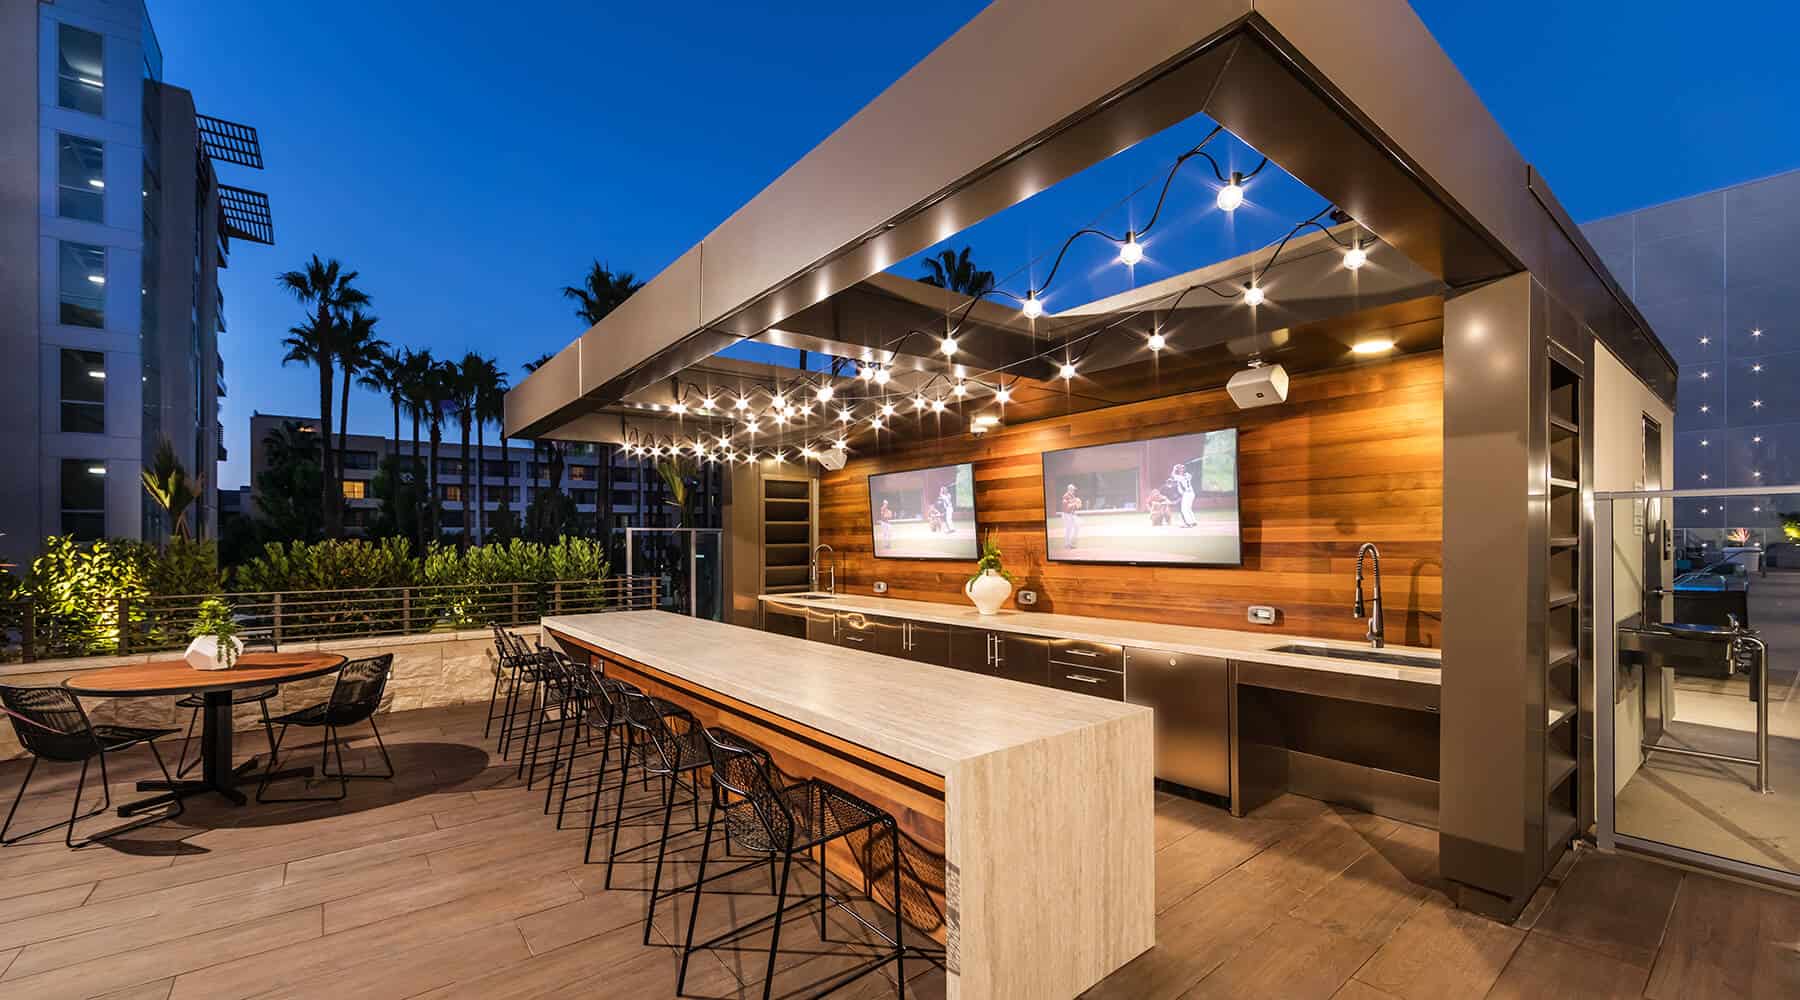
(832, 459)
(1264, 386)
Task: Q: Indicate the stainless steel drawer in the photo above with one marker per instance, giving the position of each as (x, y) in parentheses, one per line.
(1092, 655)
(1107, 684)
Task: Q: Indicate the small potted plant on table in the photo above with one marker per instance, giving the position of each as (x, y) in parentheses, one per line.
(216, 645)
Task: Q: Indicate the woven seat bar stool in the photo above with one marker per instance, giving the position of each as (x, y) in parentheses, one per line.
(764, 814)
(668, 743)
(560, 704)
(604, 711)
(51, 725)
(519, 662)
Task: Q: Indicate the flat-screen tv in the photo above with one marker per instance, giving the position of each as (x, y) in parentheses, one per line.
(1168, 500)
(924, 513)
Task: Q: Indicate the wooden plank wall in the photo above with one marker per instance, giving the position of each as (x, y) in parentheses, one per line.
(1355, 455)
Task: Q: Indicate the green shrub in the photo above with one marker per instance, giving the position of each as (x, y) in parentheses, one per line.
(334, 564)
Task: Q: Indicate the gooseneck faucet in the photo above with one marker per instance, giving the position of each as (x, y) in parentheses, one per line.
(1377, 634)
(812, 573)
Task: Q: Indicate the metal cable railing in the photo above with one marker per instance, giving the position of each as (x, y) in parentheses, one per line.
(149, 624)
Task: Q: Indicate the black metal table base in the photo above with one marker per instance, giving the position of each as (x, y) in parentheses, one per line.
(218, 773)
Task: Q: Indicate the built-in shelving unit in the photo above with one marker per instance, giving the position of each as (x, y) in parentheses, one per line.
(1562, 608)
(787, 532)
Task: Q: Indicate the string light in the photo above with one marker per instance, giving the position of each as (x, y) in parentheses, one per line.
(824, 393)
(1232, 194)
(948, 347)
(1067, 371)
(1156, 342)
(1003, 395)
(919, 401)
(1032, 307)
(887, 409)
(881, 376)
(1356, 256)
(1254, 296)
(1131, 252)
(937, 406)
(959, 390)
(845, 416)
(865, 372)
(743, 402)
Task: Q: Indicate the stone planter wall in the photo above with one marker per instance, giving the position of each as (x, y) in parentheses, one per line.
(432, 670)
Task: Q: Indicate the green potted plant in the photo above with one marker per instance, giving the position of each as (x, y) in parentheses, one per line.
(215, 644)
(992, 584)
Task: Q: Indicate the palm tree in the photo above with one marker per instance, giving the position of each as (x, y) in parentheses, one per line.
(170, 488)
(464, 386)
(955, 271)
(490, 406)
(358, 350)
(326, 288)
(417, 373)
(602, 291)
(437, 389)
(386, 375)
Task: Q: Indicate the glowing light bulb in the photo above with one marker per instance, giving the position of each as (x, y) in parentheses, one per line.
(779, 402)
(1067, 371)
(937, 406)
(1355, 257)
(1232, 195)
(875, 422)
(679, 408)
(1156, 342)
(1253, 295)
(1756, 332)
(887, 409)
(845, 416)
(1003, 394)
(840, 444)
(1032, 307)
(947, 346)
(1131, 252)
(865, 372)
(825, 393)
(706, 404)
(1372, 346)
(919, 402)
(743, 402)
(959, 390)
(881, 376)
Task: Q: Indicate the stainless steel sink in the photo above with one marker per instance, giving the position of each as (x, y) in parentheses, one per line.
(1363, 655)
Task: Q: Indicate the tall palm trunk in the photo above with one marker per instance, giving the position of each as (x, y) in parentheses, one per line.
(437, 437)
(329, 502)
(480, 476)
(418, 493)
(343, 422)
(468, 522)
(506, 473)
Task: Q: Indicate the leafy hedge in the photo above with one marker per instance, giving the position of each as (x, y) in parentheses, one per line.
(75, 593)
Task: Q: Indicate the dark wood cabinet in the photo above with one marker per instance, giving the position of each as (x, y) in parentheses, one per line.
(821, 625)
(782, 621)
(924, 642)
(972, 649)
(1022, 657)
(873, 633)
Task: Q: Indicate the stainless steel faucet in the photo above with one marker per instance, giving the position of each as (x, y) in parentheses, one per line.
(1377, 634)
(812, 570)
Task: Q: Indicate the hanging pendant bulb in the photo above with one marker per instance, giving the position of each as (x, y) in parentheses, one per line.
(1131, 252)
(824, 393)
(1232, 194)
(881, 376)
(1156, 342)
(1032, 308)
(1253, 295)
(1356, 256)
(948, 346)
(1067, 371)
(1003, 395)
(960, 390)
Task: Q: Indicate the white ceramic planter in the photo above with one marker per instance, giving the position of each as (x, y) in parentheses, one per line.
(203, 653)
(988, 591)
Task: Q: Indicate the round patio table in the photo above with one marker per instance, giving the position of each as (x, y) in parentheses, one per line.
(175, 677)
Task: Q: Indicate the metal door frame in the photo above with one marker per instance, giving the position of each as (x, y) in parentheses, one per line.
(693, 557)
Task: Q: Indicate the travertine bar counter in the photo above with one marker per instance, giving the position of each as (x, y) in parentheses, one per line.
(1040, 801)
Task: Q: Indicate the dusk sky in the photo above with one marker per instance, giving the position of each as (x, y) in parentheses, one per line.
(469, 164)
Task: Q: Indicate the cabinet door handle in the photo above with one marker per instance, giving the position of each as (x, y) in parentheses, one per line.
(1083, 678)
(1081, 652)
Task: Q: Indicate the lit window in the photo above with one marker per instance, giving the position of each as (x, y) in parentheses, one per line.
(80, 70)
(82, 285)
(355, 489)
(581, 473)
(84, 499)
(451, 493)
(80, 179)
(83, 392)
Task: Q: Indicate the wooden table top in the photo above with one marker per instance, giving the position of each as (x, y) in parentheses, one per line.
(176, 677)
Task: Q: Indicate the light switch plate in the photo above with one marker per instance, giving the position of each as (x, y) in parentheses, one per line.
(1027, 598)
(881, 586)
(1263, 614)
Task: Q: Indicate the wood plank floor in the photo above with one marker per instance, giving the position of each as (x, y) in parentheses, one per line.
(450, 882)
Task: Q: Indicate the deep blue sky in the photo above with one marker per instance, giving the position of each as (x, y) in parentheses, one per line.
(470, 164)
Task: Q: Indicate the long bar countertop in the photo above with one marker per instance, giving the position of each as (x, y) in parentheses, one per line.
(1223, 643)
(918, 713)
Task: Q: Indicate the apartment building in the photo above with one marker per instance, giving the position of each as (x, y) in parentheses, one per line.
(601, 479)
(114, 225)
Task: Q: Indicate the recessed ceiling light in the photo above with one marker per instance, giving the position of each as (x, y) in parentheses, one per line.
(1372, 346)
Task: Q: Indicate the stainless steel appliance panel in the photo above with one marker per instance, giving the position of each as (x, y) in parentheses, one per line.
(1191, 698)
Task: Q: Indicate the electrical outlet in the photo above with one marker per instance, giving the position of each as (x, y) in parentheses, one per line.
(1027, 598)
(1263, 614)
(881, 586)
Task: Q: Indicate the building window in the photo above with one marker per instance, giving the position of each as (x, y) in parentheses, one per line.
(499, 470)
(449, 467)
(581, 473)
(583, 497)
(83, 392)
(361, 460)
(450, 518)
(355, 489)
(84, 499)
(451, 493)
(83, 285)
(80, 179)
(80, 70)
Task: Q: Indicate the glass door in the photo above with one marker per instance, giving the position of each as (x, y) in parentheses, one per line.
(687, 562)
(1699, 760)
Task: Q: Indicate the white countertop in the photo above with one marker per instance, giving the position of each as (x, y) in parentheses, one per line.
(928, 716)
(1224, 643)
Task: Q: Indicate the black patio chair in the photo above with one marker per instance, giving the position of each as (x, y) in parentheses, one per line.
(52, 726)
(354, 698)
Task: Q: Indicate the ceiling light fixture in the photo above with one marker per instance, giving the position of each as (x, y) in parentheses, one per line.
(96, 373)
(1356, 256)
(1254, 296)
(1156, 342)
(948, 346)
(1372, 346)
(1032, 307)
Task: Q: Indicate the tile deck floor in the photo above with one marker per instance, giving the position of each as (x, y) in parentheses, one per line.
(451, 882)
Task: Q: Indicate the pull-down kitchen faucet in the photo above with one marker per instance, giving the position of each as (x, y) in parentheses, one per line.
(1377, 631)
(813, 569)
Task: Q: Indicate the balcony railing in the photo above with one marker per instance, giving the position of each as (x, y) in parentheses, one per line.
(152, 624)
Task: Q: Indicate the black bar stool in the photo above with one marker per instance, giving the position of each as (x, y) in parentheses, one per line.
(763, 814)
(665, 742)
